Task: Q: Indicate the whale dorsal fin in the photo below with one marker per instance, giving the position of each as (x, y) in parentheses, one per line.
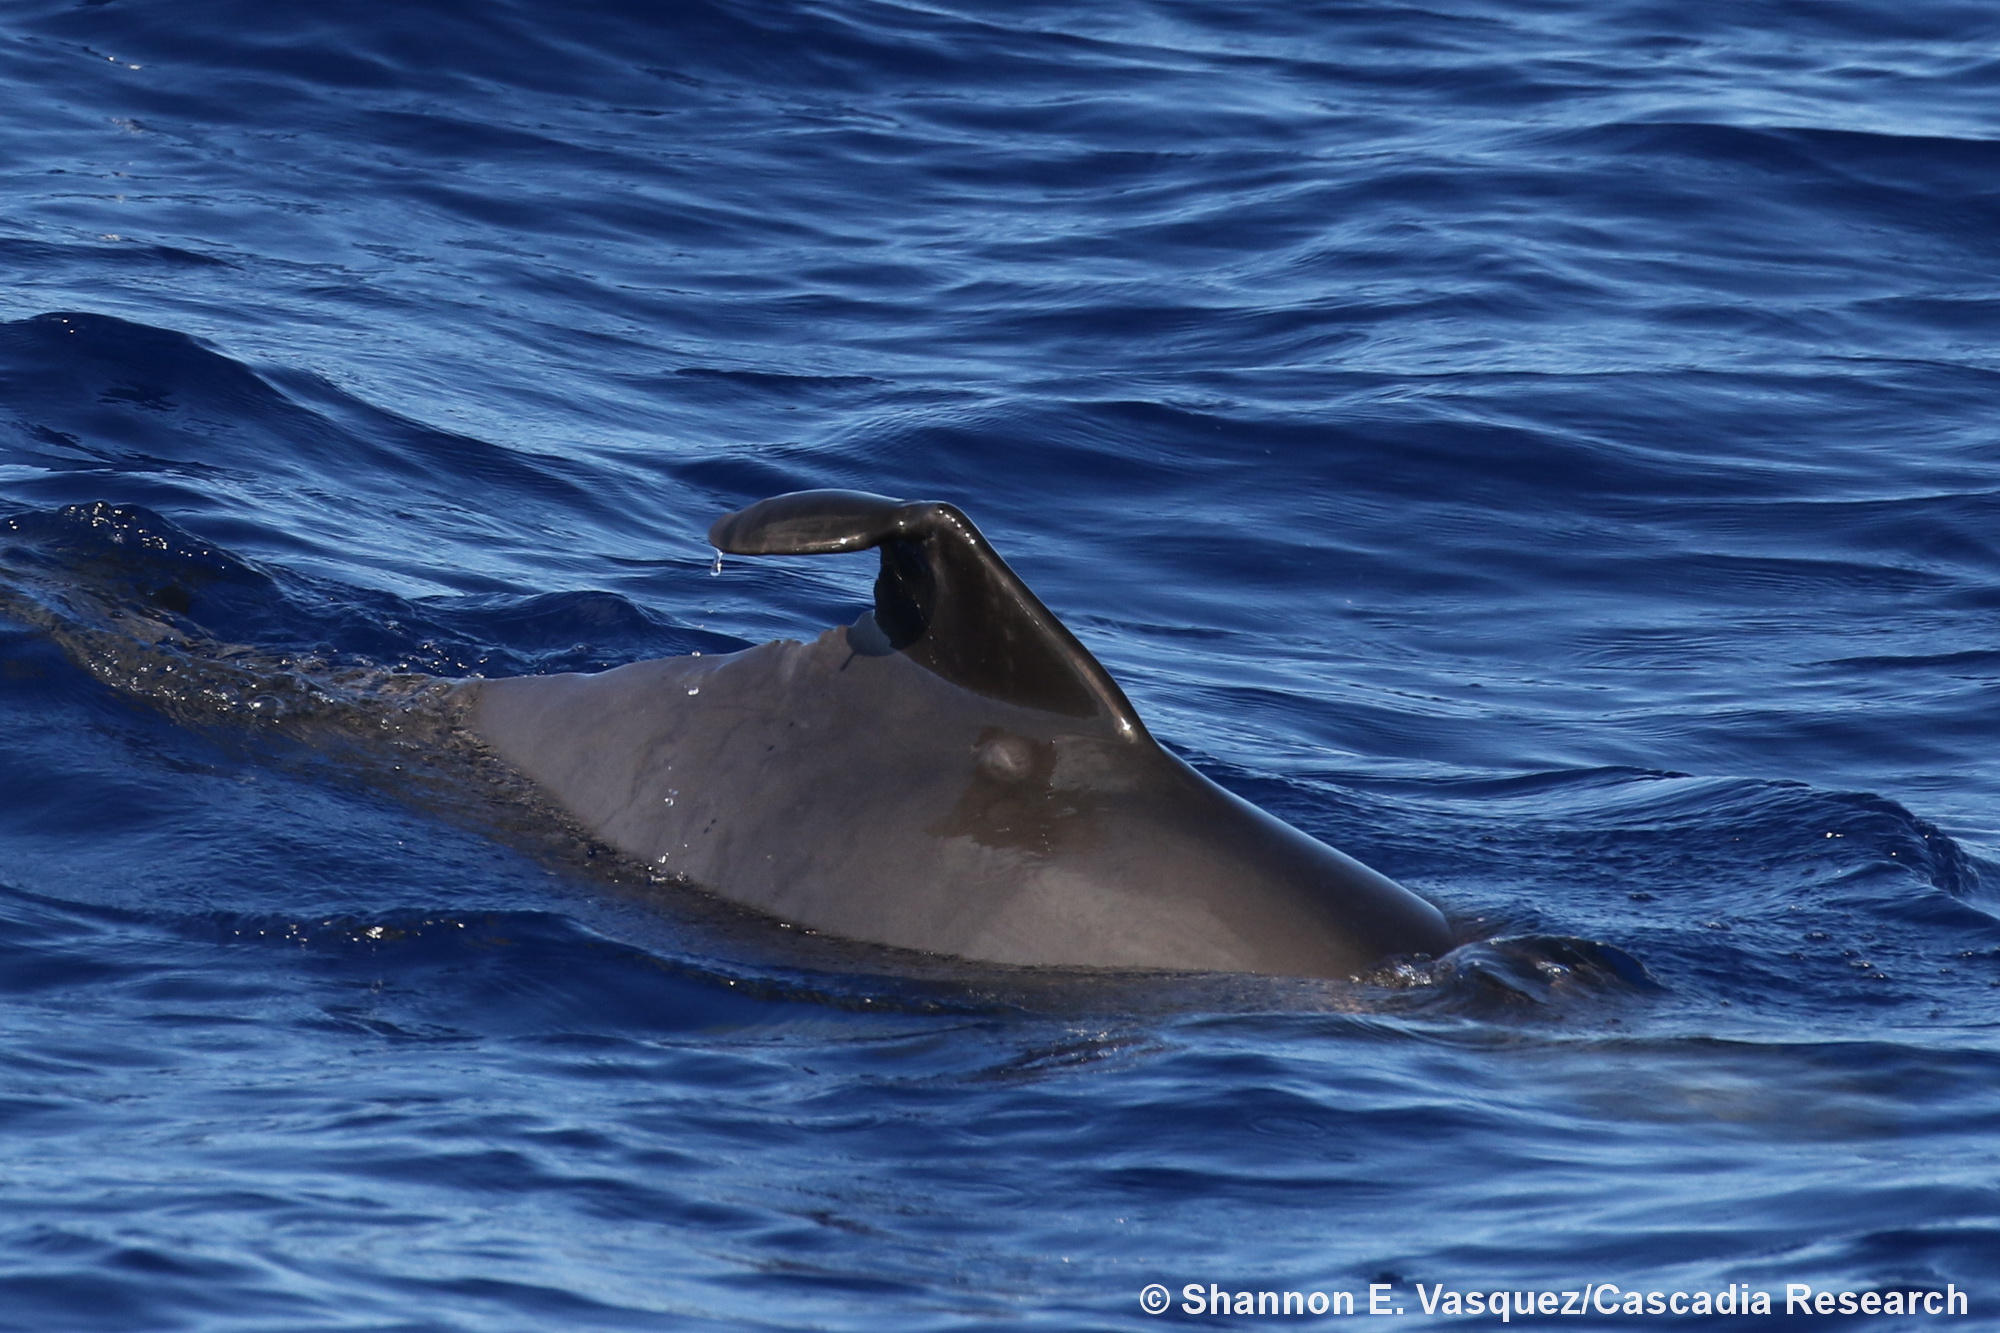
(944, 598)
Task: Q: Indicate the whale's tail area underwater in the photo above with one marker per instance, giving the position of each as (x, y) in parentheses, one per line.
(954, 773)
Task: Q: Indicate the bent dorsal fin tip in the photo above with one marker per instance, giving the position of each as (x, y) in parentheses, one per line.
(944, 597)
(805, 523)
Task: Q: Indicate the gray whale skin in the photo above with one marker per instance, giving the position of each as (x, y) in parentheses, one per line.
(952, 773)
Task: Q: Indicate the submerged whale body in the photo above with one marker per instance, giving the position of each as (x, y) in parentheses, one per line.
(953, 773)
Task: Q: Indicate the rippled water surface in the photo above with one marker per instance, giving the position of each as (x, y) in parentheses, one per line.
(1551, 451)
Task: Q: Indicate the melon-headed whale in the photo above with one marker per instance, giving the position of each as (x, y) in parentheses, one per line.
(952, 773)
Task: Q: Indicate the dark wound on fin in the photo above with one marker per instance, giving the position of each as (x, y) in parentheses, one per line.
(944, 597)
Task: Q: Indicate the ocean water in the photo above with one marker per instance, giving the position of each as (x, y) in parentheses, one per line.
(1549, 450)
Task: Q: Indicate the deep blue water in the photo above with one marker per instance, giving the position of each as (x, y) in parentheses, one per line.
(1551, 451)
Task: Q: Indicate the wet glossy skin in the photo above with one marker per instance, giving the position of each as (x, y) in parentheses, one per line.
(841, 785)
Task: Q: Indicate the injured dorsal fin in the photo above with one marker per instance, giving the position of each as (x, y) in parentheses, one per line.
(944, 597)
